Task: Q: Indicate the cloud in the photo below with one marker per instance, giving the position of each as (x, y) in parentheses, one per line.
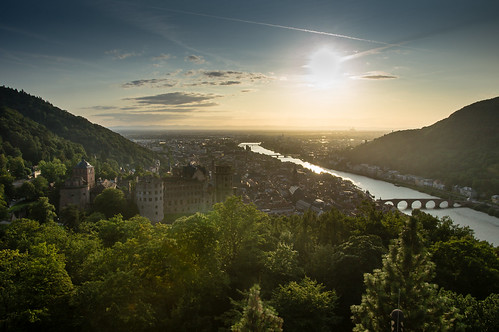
(176, 98)
(376, 76)
(195, 59)
(121, 55)
(154, 82)
(230, 77)
(199, 78)
(142, 118)
(100, 108)
(162, 57)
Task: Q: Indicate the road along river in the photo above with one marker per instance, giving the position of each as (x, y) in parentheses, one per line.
(485, 227)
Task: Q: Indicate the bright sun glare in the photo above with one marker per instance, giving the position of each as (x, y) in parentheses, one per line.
(323, 68)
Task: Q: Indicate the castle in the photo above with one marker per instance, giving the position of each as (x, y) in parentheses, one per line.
(190, 189)
(81, 188)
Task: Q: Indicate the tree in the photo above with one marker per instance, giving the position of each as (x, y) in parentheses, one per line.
(257, 317)
(17, 167)
(35, 289)
(403, 282)
(241, 233)
(53, 171)
(41, 185)
(305, 306)
(27, 191)
(71, 216)
(111, 202)
(41, 210)
(466, 266)
(281, 265)
(4, 211)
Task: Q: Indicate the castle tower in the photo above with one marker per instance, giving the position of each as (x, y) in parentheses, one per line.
(76, 190)
(85, 171)
(149, 197)
(223, 182)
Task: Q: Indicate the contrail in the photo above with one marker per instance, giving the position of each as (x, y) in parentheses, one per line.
(278, 26)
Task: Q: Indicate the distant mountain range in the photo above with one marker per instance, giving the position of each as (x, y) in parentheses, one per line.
(461, 149)
(41, 131)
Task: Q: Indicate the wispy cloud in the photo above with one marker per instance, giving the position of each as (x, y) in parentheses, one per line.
(376, 75)
(176, 98)
(195, 59)
(121, 55)
(162, 57)
(153, 82)
(142, 118)
(194, 78)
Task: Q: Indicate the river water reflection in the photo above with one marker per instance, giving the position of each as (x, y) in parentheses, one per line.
(485, 227)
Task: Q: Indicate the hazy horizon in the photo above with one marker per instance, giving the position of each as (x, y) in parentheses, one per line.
(259, 65)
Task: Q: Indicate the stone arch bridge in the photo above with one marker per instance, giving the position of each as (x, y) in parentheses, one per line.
(424, 203)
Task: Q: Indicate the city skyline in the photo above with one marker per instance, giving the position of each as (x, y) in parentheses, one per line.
(253, 65)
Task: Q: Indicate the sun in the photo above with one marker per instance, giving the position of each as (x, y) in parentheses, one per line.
(323, 68)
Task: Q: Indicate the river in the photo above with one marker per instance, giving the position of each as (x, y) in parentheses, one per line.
(485, 227)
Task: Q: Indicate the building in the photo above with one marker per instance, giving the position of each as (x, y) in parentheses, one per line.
(223, 182)
(76, 189)
(149, 197)
(190, 189)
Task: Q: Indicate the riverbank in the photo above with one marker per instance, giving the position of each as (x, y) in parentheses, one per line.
(485, 227)
(485, 207)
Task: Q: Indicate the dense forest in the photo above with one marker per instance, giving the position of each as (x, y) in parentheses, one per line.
(42, 131)
(237, 268)
(460, 150)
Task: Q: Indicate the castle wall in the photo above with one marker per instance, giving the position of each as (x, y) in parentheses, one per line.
(149, 198)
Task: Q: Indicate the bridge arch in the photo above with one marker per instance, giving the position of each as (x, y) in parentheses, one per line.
(421, 203)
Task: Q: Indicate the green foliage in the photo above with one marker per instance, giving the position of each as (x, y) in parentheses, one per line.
(466, 266)
(404, 282)
(282, 265)
(4, 210)
(53, 171)
(435, 229)
(305, 306)
(257, 317)
(41, 210)
(475, 315)
(118, 273)
(17, 167)
(71, 216)
(242, 233)
(35, 288)
(43, 132)
(33, 141)
(112, 201)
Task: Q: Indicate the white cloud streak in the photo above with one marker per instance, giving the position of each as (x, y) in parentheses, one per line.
(277, 26)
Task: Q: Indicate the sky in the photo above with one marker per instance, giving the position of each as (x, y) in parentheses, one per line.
(260, 64)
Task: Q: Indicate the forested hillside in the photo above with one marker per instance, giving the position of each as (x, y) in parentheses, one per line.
(462, 149)
(25, 117)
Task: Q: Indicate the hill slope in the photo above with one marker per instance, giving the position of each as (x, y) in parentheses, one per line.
(462, 149)
(27, 119)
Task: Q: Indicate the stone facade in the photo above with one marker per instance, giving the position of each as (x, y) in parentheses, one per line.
(149, 197)
(76, 190)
